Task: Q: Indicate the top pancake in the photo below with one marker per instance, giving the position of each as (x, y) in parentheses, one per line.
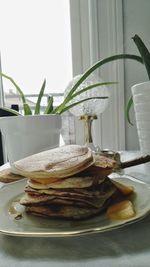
(59, 162)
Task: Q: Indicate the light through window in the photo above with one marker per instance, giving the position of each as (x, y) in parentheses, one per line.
(36, 44)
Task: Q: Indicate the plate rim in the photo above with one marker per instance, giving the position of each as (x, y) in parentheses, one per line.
(80, 232)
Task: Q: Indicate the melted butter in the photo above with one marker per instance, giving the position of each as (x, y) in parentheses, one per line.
(16, 210)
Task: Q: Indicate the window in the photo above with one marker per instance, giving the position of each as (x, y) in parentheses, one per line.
(97, 33)
(35, 44)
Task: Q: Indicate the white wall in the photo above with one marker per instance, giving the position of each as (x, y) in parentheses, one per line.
(136, 16)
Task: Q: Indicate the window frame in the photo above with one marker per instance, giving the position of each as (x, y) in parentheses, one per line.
(97, 32)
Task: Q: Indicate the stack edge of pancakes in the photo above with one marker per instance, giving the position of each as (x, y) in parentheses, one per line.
(68, 182)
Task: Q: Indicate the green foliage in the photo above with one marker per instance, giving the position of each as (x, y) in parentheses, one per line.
(79, 102)
(49, 108)
(38, 103)
(129, 104)
(66, 105)
(10, 111)
(145, 59)
(144, 52)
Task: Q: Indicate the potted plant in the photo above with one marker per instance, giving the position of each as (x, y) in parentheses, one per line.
(20, 124)
(34, 131)
(141, 100)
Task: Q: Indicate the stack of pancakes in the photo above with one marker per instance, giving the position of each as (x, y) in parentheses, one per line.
(67, 182)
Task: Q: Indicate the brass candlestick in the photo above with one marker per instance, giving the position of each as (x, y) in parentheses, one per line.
(88, 119)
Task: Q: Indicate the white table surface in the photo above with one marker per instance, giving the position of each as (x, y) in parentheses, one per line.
(127, 246)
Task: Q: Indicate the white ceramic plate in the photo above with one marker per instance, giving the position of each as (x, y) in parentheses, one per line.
(35, 226)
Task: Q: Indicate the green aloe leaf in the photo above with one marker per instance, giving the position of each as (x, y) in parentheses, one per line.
(27, 109)
(11, 111)
(49, 108)
(97, 65)
(144, 52)
(16, 86)
(145, 55)
(92, 69)
(79, 102)
(84, 90)
(37, 107)
(127, 111)
(90, 87)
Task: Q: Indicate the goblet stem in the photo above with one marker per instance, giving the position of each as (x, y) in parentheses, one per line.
(88, 119)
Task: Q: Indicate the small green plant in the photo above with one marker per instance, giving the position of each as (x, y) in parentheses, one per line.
(66, 105)
(50, 109)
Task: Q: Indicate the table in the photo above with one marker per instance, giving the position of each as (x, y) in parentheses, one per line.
(128, 246)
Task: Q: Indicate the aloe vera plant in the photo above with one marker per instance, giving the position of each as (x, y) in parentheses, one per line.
(145, 59)
(66, 105)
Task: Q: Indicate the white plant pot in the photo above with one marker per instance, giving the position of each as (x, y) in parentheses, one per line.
(26, 135)
(141, 101)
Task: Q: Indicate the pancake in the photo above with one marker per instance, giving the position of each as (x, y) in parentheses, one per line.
(74, 203)
(69, 203)
(6, 176)
(71, 182)
(102, 166)
(59, 162)
(93, 197)
(63, 212)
